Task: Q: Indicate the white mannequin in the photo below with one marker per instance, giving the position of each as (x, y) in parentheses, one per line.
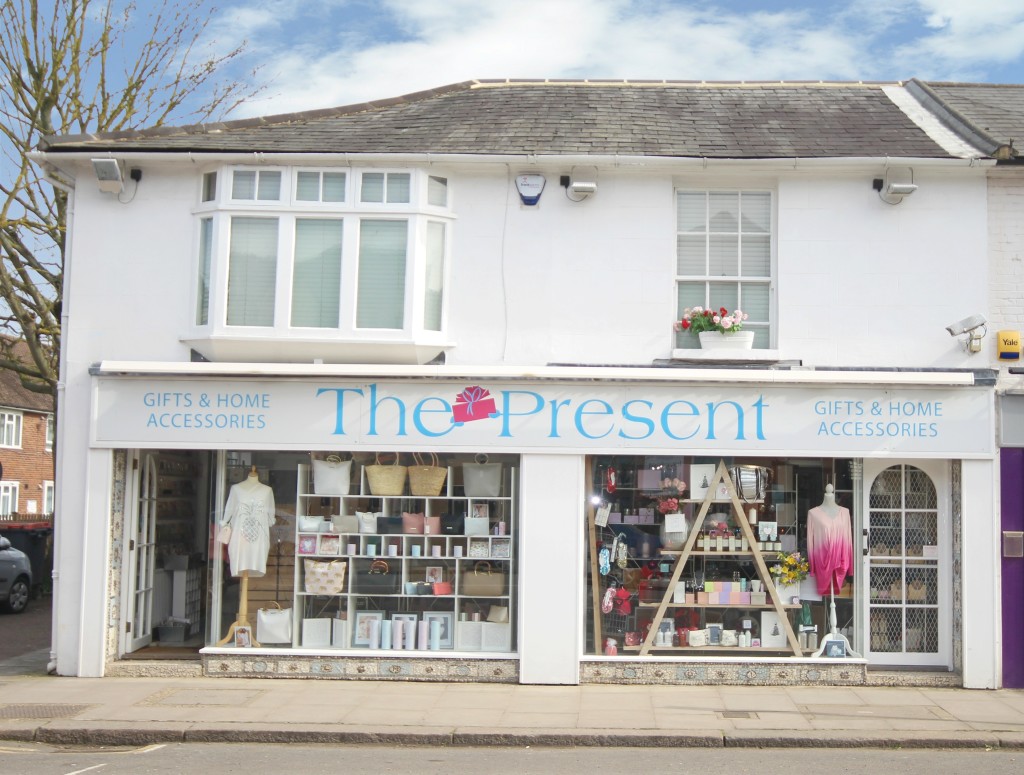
(828, 503)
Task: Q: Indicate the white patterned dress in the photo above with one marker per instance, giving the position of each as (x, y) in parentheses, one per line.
(250, 513)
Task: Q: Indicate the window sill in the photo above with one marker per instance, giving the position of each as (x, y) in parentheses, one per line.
(291, 349)
(726, 356)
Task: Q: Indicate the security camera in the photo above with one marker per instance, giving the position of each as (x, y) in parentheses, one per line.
(966, 326)
(900, 189)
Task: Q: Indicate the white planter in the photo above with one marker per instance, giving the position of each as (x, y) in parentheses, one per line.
(732, 340)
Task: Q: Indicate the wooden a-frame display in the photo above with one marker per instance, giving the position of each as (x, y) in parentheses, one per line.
(687, 552)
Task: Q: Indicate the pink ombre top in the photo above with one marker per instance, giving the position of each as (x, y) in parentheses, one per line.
(830, 547)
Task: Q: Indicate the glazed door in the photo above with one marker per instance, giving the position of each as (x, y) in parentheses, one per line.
(141, 554)
(905, 578)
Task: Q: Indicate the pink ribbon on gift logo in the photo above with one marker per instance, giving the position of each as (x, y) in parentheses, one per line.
(471, 395)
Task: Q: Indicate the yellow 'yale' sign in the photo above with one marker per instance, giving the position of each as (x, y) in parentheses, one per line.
(1009, 345)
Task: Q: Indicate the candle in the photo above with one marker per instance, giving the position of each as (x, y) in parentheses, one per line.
(374, 634)
(410, 635)
(423, 630)
(396, 634)
(435, 635)
(385, 634)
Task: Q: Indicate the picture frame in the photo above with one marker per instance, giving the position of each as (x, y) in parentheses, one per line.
(307, 544)
(407, 618)
(773, 635)
(701, 475)
(447, 620)
(434, 574)
(482, 510)
(243, 637)
(834, 649)
(361, 630)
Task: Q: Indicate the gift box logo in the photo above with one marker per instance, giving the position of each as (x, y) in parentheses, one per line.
(473, 403)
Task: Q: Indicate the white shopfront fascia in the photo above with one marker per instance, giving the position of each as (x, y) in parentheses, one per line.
(552, 417)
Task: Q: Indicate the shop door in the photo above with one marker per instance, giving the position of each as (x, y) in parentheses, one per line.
(141, 555)
(904, 577)
(1012, 489)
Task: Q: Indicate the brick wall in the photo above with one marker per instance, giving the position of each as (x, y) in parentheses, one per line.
(31, 465)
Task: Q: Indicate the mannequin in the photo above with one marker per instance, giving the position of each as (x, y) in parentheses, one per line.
(830, 557)
(249, 513)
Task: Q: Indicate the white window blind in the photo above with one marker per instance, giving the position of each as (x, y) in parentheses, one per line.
(252, 271)
(316, 277)
(261, 185)
(433, 288)
(312, 186)
(437, 191)
(390, 187)
(205, 257)
(380, 299)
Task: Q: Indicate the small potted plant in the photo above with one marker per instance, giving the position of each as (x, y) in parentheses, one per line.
(717, 328)
(787, 572)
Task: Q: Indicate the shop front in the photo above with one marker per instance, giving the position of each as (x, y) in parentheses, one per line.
(566, 526)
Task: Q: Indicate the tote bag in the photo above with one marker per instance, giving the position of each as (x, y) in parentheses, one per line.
(481, 479)
(325, 578)
(331, 476)
(274, 625)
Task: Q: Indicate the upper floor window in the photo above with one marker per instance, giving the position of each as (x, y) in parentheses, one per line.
(323, 255)
(10, 429)
(47, 497)
(724, 257)
(49, 432)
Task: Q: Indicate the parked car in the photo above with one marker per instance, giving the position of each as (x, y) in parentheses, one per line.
(15, 578)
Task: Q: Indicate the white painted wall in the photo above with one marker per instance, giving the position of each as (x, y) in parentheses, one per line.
(980, 563)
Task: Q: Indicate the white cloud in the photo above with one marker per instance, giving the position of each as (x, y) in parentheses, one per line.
(336, 52)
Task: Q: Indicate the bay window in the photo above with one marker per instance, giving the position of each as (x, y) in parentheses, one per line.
(339, 264)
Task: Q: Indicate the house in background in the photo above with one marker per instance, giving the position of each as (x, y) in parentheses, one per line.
(26, 452)
(484, 279)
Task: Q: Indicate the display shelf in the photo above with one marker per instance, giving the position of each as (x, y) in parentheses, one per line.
(696, 649)
(412, 557)
(745, 606)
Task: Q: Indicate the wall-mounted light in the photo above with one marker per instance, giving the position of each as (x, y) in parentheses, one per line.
(973, 329)
(108, 174)
(580, 184)
(895, 185)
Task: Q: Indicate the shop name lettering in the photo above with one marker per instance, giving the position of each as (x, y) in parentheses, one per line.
(886, 419)
(196, 411)
(594, 418)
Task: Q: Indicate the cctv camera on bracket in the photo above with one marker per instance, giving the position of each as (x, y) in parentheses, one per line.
(975, 329)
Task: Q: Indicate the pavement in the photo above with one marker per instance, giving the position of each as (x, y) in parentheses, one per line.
(116, 711)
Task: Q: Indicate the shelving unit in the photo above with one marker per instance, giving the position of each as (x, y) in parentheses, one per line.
(689, 552)
(454, 557)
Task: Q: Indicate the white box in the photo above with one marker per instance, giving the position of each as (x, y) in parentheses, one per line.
(339, 634)
(316, 633)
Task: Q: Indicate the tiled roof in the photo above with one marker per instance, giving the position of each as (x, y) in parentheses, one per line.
(668, 119)
(993, 113)
(14, 395)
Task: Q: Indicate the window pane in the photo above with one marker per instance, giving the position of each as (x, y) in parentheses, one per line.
(252, 272)
(437, 191)
(316, 279)
(373, 187)
(307, 187)
(723, 295)
(690, 211)
(757, 213)
(209, 186)
(334, 187)
(381, 296)
(434, 280)
(269, 186)
(724, 259)
(688, 295)
(205, 254)
(690, 258)
(243, 185)
(755, 302)
(725, 212)
(756, 256)
(398, 187)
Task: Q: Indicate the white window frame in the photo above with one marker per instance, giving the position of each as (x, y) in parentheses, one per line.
(49, 492)
(418, 212)
(689, 341)
(8, 498)
(50, 430)
(11, 428)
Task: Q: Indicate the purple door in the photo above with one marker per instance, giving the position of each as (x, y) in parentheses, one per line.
(1012, 478)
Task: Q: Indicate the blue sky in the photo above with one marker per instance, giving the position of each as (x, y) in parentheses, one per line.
(322, 53)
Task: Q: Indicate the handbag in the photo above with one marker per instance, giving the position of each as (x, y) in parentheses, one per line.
(368, 521)
(325, 577)
(416, 523)
(331, 476)
(346, 523)
(224, 534)
(274, 625)
(384, 479)
(483, 581)
(442, 588)
(476, 526)
(309, 524)
(426, 480)
(751, 481)
(375, 577)
(453, 524)
(498, 614)
(481, 479)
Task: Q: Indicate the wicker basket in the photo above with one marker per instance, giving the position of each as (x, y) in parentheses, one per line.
(386, 479)
(426, 480)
